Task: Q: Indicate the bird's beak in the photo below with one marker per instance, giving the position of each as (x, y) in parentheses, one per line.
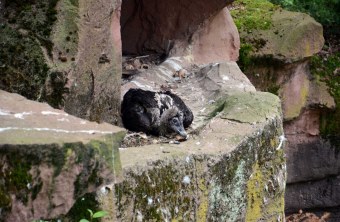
(182, 133)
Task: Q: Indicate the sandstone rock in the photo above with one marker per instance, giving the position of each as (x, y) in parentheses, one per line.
(316, 194)
(218, 174)
(213, 177)
(57, 53)
(94, 87)
(292, 37)
(310, 160)
(211, 43)
(294, 84)
(195, 180)
(319, 95)
(294, 93)
(150, 27)
(49, 159)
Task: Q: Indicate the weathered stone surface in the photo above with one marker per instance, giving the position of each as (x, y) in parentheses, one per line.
(292, 37)
(66, 53)
(231, 171)
(153, 27)
(315, 194)
(319, 95)
(294, 93)
(48, 159)
(294, 85)
(310, 160)
(211, 43)
(231, 168)
(95, 83)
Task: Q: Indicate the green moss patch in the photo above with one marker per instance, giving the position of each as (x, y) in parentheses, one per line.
(250, 107)
(21, 168)
(25, 44)
(35, 16)
(252, 14)
(326, 69)
(22, 64)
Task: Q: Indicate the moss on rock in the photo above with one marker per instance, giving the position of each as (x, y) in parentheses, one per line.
(21, 176)
(250, 107)
(274, 33)
(22, 63)
(26, 51)
(327, 70)
(252, 14)
(208, 187)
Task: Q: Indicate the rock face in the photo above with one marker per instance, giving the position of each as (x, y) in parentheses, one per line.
(293, 36)
(94, 83)
(280, 65)
(68, 56)
(174, 28)
(232, 168)
(56, 166)
(49, 159)
(148, 26)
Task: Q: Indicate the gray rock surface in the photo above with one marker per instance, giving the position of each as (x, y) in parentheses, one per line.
(49, 158)
(230, 168)
(323, 193)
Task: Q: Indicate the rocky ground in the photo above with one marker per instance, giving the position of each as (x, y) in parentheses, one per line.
(307, 217)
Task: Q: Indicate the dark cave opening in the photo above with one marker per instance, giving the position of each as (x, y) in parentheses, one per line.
(151, 27)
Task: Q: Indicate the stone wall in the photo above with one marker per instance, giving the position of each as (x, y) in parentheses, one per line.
(66, 53)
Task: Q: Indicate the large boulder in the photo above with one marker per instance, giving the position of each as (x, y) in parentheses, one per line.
(231, 168)
(291, 37)
(279, 61)
(49, 159)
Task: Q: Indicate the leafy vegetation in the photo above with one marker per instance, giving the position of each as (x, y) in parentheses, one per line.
(324, 11)
(327, 69)
(96, 215)
(252, 14)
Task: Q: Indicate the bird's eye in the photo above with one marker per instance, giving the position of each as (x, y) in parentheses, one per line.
(174, 120)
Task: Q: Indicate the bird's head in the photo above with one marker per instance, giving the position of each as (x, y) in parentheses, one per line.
(172, 122)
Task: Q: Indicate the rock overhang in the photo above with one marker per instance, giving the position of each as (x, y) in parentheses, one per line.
(148, 26)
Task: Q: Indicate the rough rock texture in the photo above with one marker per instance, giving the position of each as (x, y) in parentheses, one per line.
(292, 37)
(55, 166)
(173, 28)
(48, 159)
(151, 26)
(64, 52)
(95, 80)
(280, 64)
(315, 194)
(205, 41)
(231, 168)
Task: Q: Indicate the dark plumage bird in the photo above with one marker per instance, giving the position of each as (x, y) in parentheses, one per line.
(157, 113)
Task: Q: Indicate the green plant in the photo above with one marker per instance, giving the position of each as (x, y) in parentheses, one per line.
(324, 11)
(96, 215)
(252, 14)
(244, 56)
(326, 69)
